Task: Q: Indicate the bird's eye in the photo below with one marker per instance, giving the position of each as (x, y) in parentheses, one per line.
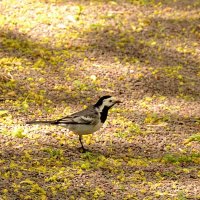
(110, 101)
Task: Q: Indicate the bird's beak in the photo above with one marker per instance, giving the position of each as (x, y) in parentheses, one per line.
(118, 101)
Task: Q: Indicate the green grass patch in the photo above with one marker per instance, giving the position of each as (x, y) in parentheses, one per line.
(178, 159)
(17, 132)
(194, 137)
(53, 153)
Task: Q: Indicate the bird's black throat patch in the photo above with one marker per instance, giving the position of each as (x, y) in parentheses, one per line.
(104, 114)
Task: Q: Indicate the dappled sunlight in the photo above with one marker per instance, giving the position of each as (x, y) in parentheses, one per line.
(172, 13)
(59, 56)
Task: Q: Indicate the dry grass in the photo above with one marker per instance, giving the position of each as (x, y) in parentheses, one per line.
(58, 56)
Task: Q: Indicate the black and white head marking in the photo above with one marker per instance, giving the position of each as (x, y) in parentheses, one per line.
(104, 104)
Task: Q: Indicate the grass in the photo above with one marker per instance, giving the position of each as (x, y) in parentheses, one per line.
(193, 138)
(180, 159)
(57, 57)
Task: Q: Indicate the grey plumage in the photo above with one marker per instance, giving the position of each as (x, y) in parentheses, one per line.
(86, 121)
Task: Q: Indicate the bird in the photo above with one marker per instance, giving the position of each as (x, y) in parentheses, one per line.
(86, 121)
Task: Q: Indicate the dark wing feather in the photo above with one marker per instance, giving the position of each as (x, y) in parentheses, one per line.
(87, 116)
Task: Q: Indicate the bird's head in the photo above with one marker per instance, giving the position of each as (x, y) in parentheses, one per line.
(106, 101)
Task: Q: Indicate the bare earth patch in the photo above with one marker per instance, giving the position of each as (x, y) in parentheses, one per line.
(56, 57)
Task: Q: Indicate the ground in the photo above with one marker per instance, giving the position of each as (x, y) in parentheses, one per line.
(57, 57)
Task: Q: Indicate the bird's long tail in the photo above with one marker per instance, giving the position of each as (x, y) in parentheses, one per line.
(41, 122)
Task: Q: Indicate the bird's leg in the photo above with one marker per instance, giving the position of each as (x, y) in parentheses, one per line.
(80, 139)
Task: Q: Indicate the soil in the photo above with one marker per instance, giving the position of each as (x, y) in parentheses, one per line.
(57, 57)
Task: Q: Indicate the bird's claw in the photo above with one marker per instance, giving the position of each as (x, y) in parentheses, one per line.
(83, 150)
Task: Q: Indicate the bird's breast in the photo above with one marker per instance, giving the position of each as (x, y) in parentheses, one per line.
(84, 129)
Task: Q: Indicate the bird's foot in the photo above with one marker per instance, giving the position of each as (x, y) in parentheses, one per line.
(83, 150)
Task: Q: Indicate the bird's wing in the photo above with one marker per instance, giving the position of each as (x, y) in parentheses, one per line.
(87, 116)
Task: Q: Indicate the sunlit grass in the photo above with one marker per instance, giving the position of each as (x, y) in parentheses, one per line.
(57, 57)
